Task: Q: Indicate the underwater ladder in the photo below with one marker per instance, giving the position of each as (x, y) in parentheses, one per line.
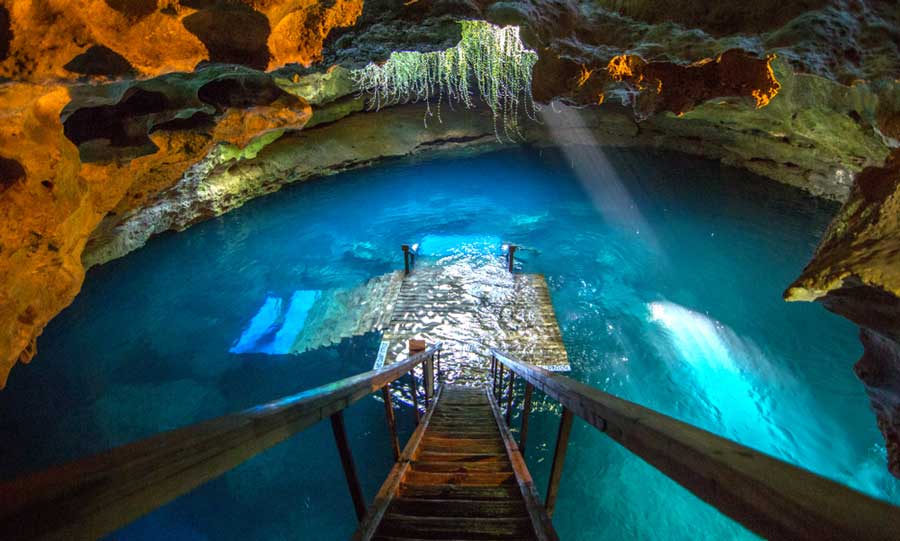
(461, 474)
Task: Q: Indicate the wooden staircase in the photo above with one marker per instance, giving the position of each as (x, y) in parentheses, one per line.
(460, 477)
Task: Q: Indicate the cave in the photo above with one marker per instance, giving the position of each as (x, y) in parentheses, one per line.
(381, 269)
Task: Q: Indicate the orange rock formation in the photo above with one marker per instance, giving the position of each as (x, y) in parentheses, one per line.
(679, 88)
(55, 39)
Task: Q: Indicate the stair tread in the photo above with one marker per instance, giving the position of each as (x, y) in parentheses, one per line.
(458, 508)
(450, 527)
(460, 483)
(465, 466)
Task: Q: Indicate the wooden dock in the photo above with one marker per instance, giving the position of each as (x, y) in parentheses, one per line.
(470, 310)
(469, 305)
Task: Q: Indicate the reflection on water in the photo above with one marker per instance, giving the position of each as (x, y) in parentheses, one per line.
(738, 392)
(274, 329)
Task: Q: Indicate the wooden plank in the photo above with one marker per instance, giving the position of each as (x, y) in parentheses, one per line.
(503, 492)
(775, 499)
(94, 496)
(450, 527)
(435, 456)
(392, 484)
(540, 521)
(418, 477)
(459, 508)
(468, 467)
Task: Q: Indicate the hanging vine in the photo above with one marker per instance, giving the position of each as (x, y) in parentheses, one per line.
(492, 57)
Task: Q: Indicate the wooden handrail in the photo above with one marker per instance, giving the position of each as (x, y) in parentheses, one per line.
(94, 496)
(772, 498)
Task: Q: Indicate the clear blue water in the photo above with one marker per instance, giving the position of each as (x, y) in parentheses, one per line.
(666, 274)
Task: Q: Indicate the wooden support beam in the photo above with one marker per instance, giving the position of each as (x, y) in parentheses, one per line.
(559, 457)
(340, 437)
(428, 376)
(509, 398)
(414, 390)
(771, 497)
(391, 421)
(385, 495)
(539, 518)
(526, 410)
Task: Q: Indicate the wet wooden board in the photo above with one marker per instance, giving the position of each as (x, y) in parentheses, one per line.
(460, 477)
(471, 310)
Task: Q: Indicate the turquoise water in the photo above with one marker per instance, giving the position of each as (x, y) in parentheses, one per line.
(666, 274)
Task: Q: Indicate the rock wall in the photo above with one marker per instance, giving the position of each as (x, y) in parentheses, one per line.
(126, 118)
(856, 273)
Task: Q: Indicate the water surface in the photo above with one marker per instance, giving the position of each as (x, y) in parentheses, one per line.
(666, 274)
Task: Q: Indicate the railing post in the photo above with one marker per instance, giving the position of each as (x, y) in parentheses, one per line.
(498, 387)
(509, 397)
(417, 346)
(391, 421)
(428, 374)
(439, 375)
(405, 248)
(340, 437)
(526, 409)
(559, 456)
(511, 256)
(415, 392)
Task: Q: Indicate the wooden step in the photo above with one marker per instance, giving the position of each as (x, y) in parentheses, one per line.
(463, 466)
(438, 527)
(457, 492)
(437, 456)
(462, 445)
(460, 480)
(468, 479)
(458, 508)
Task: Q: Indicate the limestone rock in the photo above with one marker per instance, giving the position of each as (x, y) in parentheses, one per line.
(856, 273)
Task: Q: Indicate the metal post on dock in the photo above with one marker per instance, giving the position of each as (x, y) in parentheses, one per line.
(511, 256)
(405, 248)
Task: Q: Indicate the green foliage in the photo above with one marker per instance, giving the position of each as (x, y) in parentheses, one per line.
(491, 57)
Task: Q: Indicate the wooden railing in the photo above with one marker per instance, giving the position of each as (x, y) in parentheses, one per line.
(772, 498)
(92, 497)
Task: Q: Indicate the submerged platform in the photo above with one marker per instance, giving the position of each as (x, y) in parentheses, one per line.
(472, 309)
(469, 303)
